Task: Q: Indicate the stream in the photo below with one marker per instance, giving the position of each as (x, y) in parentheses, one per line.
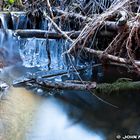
(34, 117)
(38, 114)
(71, 115)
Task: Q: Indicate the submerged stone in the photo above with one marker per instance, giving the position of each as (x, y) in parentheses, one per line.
(3, 89)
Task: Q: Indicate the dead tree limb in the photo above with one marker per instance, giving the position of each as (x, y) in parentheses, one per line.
(57, 28)
(65, 85)
(104, 88)
(101, 54)
(71, 15)
(50, 8)
(44, 34)
(27, 33)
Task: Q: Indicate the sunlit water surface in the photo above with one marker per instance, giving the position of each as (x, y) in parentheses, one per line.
(39, 118)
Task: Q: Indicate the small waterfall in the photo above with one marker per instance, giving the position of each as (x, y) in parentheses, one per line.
(8, 46)
(44, 24)
(41, 53)
(34, 52)
(3, 20)
(19, 20)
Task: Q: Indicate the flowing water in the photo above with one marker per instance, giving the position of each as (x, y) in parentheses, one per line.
(66, 115)
(32, 117)
(73, 115)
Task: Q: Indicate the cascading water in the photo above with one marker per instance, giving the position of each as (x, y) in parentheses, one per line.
(8, 46)
(34, 52)
(19, 20)
(42, 52)
(3, 20)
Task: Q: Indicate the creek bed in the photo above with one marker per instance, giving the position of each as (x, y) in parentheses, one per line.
(73, 115)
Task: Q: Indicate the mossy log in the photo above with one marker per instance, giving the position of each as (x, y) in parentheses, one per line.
(105, 88)
(117, 87)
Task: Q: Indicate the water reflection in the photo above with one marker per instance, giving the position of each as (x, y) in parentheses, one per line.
(78, 115)
(103, 118)
(52, 123)
(50, 120)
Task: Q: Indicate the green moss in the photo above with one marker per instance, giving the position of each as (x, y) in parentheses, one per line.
(11, 1)
(117, 87)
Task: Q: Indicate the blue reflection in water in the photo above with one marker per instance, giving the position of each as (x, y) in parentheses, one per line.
(52, 123)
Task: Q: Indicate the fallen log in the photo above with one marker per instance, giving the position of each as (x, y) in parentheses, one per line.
(66, 85)
(105, 88)
(117, 87)
(29, 33)
(44, 34)
(101, 54)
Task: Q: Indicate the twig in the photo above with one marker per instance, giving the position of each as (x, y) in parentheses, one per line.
(50, 9)
(71, 15)
(57, 28)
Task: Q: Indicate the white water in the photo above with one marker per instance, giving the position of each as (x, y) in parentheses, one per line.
(52, 123)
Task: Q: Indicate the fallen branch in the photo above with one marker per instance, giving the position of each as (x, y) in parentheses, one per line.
(105, 88)
(50, 8)
(117, 87)
(29, 33)
(66, 85)
(71, 15)
(57, 28)
(101, 54)
(44, 34)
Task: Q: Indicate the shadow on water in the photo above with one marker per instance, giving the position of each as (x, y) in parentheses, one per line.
(95, 115)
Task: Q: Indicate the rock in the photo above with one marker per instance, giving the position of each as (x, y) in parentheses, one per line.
(3, 89)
